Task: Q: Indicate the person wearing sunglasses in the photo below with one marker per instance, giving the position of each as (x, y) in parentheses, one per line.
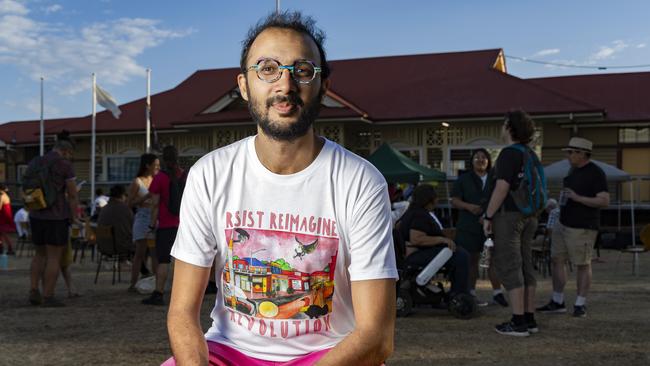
(584, 194)
(300, 227)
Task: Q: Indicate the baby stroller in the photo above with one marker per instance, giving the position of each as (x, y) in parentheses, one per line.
(410, 294)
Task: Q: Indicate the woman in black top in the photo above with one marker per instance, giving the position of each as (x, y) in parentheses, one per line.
(425, 239)
(470, 196)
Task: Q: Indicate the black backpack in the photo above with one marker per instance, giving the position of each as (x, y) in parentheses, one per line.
(176, 187)
(39, 191)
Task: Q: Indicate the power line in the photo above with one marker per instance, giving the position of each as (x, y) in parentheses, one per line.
(594, 67)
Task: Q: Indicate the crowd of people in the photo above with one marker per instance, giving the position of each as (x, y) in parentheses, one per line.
(299, 230)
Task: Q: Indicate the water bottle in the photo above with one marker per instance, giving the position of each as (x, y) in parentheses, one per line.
(484, 262)
(433, 267)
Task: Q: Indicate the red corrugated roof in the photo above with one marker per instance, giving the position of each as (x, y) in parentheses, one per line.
(624, 96)
(395, 88)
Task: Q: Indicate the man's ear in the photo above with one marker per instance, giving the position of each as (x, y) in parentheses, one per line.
(243, 86)
(326, 86)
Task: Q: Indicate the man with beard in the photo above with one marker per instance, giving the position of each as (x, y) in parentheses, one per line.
(299, 226)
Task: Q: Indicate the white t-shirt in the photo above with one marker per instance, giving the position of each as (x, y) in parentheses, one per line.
(297, 242)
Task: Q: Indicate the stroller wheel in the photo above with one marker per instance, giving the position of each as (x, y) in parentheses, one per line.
(462, 306)
(404, 303)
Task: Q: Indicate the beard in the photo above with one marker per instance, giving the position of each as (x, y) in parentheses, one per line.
(293, 131)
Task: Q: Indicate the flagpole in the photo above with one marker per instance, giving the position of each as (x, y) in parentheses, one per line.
(148, 110)
(277, 6)
(92, 143)
(42, 138)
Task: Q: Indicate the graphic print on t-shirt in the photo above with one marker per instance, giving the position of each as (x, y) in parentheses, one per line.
(277, 274)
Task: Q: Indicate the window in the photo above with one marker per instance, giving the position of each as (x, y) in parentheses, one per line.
(634, 135)
(122, 168)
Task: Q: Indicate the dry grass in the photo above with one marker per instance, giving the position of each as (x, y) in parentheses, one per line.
(108, 326)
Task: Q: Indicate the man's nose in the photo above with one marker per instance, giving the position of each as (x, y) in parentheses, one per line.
(285, 83)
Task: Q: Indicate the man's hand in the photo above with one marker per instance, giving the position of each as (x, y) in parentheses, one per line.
(571, 194)
(474, 209)
(450, 243)
(487, 227)
(371, 341)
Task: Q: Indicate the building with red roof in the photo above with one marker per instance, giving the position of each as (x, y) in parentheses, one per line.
(402, 100)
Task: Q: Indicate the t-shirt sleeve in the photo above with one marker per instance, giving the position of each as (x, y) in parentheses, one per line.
(421, 223)
(66, 169)
(195, 241)
(508, 165)
(371, 242)
(599, 182)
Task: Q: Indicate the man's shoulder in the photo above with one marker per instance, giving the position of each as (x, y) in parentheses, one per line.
(352, 165)
(223, 156)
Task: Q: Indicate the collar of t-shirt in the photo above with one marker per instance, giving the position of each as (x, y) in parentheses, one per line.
(435, 218)
(483, 180)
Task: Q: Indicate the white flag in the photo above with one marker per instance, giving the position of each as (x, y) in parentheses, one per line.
(106, 100)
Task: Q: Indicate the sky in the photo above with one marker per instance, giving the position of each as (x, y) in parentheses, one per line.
(65, 41)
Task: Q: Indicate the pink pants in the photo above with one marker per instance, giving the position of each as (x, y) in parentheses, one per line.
(220, 355)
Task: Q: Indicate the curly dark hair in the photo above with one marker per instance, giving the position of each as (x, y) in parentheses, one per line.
(293, 20)
(423, 194)
(521, 126)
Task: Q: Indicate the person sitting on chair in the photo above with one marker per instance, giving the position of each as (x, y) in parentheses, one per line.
(117, 214)
(423, 232)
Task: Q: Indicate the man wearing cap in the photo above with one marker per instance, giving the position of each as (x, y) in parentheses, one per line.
(585, 193)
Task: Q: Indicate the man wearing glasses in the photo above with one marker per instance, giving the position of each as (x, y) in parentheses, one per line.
(584, 194)
(300, 227)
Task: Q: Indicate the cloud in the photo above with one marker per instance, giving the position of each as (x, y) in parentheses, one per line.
(641, 45)
(52, 8)
(66, 57)
(608, 52)
(560, 64)
(547, 52)
(12, 7)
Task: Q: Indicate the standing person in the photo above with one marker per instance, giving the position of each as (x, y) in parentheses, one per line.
(140, 199)
(163, 220)
(470, 196)
(299, 226)
(50, 225)
(7, 225)
(513, 231)
(573, 238)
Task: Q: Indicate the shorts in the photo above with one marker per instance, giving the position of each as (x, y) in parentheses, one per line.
(164, 241)
(141, 222)
(221, 355)
(512, 255)
(49, 232)
(577, 245)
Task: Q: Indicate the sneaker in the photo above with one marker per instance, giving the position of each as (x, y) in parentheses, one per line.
(552, 308)
(500, 299)
(480, 303)
(35, 297)
(511, 329)
(532, 327)
(51, 302)
(580, 311)
(156, 298)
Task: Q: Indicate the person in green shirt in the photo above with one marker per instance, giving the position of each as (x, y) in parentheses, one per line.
(470, 196)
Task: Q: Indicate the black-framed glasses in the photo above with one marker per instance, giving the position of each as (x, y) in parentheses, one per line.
(270, 70)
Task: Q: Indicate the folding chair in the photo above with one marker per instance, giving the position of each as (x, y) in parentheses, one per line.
(107, 250)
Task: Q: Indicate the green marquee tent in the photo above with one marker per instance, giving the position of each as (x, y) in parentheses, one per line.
(398, 168)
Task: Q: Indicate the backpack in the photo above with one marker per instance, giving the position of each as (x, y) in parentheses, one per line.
(530, 195)
(176, 187)
(38, 189)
